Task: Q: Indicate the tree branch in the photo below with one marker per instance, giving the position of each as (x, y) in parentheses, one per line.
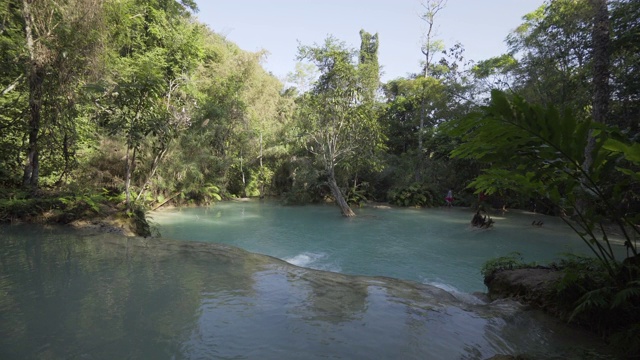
(12, 85)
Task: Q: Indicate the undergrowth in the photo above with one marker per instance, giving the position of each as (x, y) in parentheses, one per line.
(588, 295)
(509, 262)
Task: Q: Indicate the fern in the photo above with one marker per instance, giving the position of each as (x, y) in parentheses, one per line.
(594, 300)
(626, 296)
(413, 195)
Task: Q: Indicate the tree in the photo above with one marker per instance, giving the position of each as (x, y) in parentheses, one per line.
(368, 66)
(538, 150)
(426, 165)
(430, 46)
(154, 50)
(333, 114)
(429, 49)
(553, 46)
(572, 52)
(59, 41)
(303, 76)
(624, 106)
(496, 72)
(600, 41)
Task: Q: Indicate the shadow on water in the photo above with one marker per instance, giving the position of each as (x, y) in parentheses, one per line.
(68, 295)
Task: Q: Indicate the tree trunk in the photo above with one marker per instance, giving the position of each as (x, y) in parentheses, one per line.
(601, 40)
(154, 168)
(129, 170)
(244, 183)
(337, 194)
(262, 179)
(36, 77)
(418, 176)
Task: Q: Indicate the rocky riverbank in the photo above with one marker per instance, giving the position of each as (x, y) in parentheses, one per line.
(81, 212)
(531, 286)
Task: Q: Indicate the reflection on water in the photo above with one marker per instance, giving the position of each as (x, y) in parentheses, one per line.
(65, 295)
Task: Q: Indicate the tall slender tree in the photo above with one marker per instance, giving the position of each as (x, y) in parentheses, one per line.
(430, 46)
(336, 114)
(368, 65)
(601, 40)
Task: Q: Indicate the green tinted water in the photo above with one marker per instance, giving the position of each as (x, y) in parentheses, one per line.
(434, 246)
(65, 295)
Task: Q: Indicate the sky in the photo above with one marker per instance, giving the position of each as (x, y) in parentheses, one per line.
(279, 26)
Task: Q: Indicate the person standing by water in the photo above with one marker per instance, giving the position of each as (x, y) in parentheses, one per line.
(449, 198)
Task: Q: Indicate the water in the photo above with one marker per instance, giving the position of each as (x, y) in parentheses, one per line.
(69, 295)
(431, 246)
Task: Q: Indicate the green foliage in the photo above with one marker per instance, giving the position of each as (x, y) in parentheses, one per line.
(587, 295)
(25, 208)
(580, 167)
(306, 184)
(508, 262)
(540, 150)
(201, 196)
(555, 66)
(358, 196)
(580, 274)
(613, 311)
(627, 340)
(414, 195)
(55, 207)
(496, 65)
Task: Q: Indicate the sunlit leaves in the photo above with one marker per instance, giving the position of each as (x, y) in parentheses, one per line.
(496, 65)
(539, 150)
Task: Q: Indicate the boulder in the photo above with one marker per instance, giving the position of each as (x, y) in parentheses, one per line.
(531, 286)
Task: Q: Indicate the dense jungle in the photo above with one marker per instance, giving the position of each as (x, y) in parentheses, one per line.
(111, 108)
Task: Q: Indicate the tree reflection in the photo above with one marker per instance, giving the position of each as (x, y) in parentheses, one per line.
(330, 296)
(107, 296)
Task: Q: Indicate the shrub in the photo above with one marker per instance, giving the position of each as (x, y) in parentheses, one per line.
(509, 262)
(415, 195)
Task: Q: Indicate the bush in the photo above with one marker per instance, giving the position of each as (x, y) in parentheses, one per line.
(509, 262)
(587, 295)
(415, 195)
